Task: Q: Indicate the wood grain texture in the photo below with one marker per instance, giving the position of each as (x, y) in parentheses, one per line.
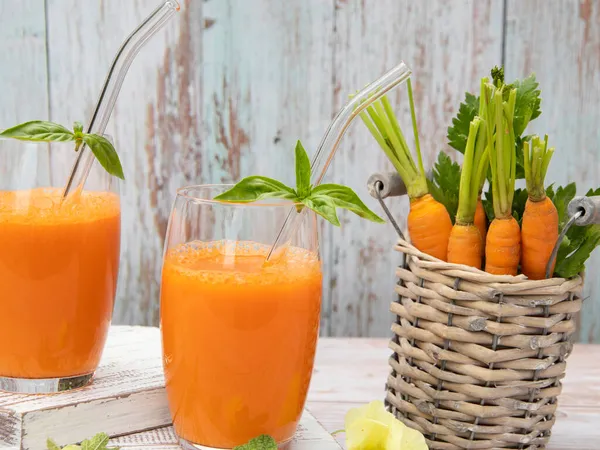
(23, 77)
(127, 396)
(560, 42)
(447, 58)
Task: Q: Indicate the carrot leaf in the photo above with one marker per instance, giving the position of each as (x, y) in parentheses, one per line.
(458, 132)
(444, 185)
(580, 242)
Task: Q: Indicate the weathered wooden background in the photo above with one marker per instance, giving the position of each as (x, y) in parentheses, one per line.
(226, 89)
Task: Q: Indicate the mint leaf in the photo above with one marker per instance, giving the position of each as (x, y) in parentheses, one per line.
(302, 171)
(51, 445)
(105, 153)
(527, 105)
(323, 206)
(97, 442)
(263, 442)
(459, 130)
(256, 188)
(39, 131)
(344, 197)
(445, 183)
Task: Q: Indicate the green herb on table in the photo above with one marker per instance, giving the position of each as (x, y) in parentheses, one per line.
(322, 199)
(263, 442)
(98, 442)
(40, 131)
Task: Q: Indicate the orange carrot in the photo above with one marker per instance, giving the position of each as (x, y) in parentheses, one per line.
(503, 241)
(481, 219)
(429, 223)
(465, 245)
(427, 220)
(503, 248)
(540, 218)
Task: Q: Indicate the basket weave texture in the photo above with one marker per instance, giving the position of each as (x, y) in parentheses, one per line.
(478, 358)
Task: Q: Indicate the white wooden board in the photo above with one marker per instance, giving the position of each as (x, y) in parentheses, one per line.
(126, 396)
(310, 436)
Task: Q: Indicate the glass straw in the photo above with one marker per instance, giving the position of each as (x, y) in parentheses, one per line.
(331, 140)
(112, 85)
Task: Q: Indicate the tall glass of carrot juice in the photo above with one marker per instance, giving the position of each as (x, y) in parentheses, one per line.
(239, 335)
(58, 268)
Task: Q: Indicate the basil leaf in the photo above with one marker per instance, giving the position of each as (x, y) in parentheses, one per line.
(323, 206)
(39, 131)
(105, 153)
(344, 197)
(78, 128)
(255, 188)
(302, 171)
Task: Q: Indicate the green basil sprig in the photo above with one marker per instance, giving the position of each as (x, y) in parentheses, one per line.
(40, 131)
(322, 199)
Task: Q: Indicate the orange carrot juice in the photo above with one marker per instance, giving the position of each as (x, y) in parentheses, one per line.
(58, 274)
(238, 340)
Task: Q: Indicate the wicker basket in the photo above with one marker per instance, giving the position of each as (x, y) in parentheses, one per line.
(478, 358)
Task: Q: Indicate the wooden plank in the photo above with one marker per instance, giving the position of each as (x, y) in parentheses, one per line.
(127, 396)
(24, 89)
(156, 125)
(267, 83)
(560, 42)
(447, 57)
(310, 436)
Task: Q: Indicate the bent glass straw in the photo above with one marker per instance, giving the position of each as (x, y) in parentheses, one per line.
(331, 140)
(112, 85)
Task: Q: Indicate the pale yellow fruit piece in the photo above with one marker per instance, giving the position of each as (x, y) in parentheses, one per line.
(366, 434)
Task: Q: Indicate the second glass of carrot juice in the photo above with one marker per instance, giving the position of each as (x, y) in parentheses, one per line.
(58, 269)
(239, 335)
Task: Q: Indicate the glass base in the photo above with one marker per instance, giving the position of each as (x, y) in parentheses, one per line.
(186, 445)
(44, 385)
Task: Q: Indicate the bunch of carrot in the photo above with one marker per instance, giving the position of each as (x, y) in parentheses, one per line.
(490, 154)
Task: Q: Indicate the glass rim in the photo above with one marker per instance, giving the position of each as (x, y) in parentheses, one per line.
(270, 203)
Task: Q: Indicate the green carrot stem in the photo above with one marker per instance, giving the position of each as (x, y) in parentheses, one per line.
(467, 201)
(383, 144)
(500, 202)
(392, 118)
(414, 126)
(387, 129)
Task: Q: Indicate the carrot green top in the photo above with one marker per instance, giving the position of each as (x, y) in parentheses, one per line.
(383, 125)
(499, 106)
(537, 157)
(475, 165)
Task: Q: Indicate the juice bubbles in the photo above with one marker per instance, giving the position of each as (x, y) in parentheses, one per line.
(239, 339)
(58, 275)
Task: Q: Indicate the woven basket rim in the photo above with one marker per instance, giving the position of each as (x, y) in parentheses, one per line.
(474, 274)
